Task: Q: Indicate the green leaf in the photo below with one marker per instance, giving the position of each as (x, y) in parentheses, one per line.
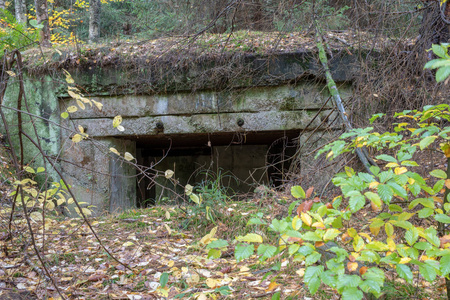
(377, 246)
(411, 236)
(214, 253)
(438, 174)
(65, 115)
(356, 203)
(298, 192)
(35, 24)
(431, 236)
(427, 141)
(386, 193)
(250, 238)
(276, 296)
(311, 236)
(404, 272)
(352, 293)
(442, 74)
(266, 251)
(243, 251)
(445, 265)
(293, 249)
(409, 163)
(314, 285)
(423, 246)
(164, 279)
(439, 50)
(425, 212)
(442, 218)
(348, 281)
(398, 190)
(386, 157)
(256, 221)
(374, 198)
(217, 244)
(312, 258)
(428, 272)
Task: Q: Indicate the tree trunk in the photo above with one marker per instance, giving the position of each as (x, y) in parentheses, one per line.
(2, 4)
(42, 18)
(21, 9)
(94, 20)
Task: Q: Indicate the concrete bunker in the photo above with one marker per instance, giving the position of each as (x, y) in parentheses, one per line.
(246, 129)
(240, 161)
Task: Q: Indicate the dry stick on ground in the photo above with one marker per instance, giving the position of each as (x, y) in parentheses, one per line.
(362, 153)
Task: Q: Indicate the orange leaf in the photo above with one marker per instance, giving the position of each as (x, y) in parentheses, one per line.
(273, 285)
(352, 266)
(329, 205)
(447, 183)
(304, 207)
(319, 244)
(346, 238)
(375, 207)
(363, 270)
(351, 258)
(295, 239)
(309, 192)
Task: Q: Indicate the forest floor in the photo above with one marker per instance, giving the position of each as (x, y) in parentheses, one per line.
(160, 253)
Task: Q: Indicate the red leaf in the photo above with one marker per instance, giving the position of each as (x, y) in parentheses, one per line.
(304, 207)
(309, 192)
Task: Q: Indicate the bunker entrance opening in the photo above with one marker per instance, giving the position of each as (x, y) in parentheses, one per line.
(238, 162)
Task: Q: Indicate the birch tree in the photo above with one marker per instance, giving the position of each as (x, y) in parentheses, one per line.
(42, 19)
(94, 20)
(20, 9)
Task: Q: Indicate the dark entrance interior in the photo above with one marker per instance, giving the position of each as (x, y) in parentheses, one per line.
(241, 161)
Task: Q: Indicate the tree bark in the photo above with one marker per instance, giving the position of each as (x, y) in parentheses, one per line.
(21, 9)
(94, 20)
(42, 18)
(2, 4)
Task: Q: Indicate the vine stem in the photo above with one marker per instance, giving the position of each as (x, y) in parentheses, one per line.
(332, 88)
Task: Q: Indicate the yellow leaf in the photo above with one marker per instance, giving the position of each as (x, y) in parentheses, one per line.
(120, 128)
(80, 128)
(296, 223)
(168, 228)
(128, 156)
(319, 225)
(114, 150)
(117, 120)
(77, 138)
(128, 244)
(405, 260)
(30, 170)
(11, 73)
(352, 266)
(98, 104)
(213, 283)
(168, 174)
(273, 285)
(250, 238)
(72, 109)
(389, 230)
(167, 215)
(81, 105)
(69, 78)
(375, 230)
(188, 189)
(73, 95)
(391, 165)
(391, 244)
(400, 170)
(373, 185)
(306, 218)
(300, 272)
(36, 216)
